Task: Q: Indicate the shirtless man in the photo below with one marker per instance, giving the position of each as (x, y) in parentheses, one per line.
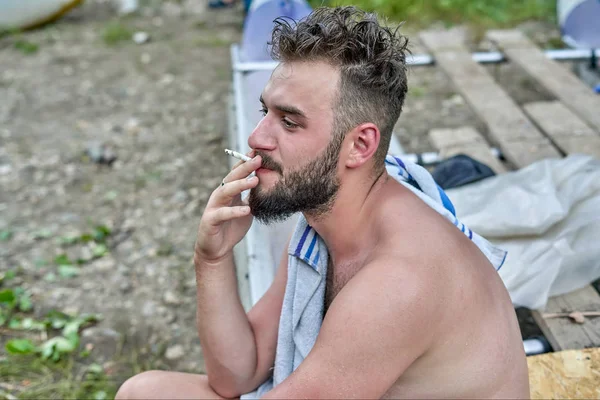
(413, 308)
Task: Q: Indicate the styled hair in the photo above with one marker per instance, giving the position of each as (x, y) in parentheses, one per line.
(371, 59)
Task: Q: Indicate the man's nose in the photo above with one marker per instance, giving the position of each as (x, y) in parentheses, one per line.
(262, 137)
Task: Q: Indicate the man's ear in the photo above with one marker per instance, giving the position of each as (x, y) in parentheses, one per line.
(364, 143)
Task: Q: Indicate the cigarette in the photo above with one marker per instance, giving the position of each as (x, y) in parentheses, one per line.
(237, 155)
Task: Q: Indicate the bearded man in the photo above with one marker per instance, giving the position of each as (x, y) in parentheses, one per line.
(382, 292)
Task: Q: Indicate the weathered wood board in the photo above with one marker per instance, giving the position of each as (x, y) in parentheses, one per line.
(521, 141)
(565, 334)
(568, 132)
(465, 140)
(571, 374)
(561, 82)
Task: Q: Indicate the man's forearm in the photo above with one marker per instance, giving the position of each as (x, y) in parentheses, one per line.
(225, 333)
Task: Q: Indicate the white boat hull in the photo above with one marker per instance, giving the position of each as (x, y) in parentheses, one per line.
(22, 14)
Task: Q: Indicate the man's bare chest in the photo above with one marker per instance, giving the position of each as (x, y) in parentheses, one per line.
(337, 277)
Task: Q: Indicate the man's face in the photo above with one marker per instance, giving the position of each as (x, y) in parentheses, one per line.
(295, 139)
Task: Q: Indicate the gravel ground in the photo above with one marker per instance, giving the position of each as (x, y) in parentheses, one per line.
(97, 131)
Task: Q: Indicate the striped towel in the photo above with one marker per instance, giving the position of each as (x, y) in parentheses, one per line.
(421, 183)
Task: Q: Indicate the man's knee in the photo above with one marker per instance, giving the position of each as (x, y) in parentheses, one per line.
(140, 386)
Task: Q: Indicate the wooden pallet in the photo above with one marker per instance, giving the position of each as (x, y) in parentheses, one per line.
(569, 124)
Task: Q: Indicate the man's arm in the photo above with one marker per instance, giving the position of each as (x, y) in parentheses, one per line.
(239, 348)
(375, 328)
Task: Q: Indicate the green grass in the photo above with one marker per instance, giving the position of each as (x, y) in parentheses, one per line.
(212, 41)
(26, 47)
(479, 13)
(29, 377)
(116, 32)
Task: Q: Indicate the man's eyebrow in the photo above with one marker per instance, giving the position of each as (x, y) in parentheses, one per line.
(286, 108)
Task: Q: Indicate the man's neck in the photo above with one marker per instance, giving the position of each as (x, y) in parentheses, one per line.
(345, 228)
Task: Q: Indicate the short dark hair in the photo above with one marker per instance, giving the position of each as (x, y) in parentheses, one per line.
(371, 58)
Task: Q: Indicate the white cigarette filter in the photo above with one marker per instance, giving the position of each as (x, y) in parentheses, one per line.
(237, 155)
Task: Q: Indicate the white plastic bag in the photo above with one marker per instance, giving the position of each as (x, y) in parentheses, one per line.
(547, 216)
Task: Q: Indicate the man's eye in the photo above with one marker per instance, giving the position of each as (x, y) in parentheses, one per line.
(263, 111)
(289, 124)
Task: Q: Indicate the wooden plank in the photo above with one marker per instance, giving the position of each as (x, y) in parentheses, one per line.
(561, 82)
(524, 152)
(557, 120)
(563, 333)
(509, 128)
(566, 129)
(584, 145)
(465, 140)
(572, 374)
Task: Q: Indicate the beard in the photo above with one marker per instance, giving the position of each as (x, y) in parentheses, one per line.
(311, 189)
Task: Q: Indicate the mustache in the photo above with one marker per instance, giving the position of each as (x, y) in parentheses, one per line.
(269, 163)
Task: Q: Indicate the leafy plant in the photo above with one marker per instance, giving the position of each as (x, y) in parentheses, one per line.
(57, 347)
(20, 346)
(99, 234)
(5, 235)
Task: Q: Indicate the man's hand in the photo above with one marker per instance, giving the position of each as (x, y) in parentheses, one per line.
(226, 218)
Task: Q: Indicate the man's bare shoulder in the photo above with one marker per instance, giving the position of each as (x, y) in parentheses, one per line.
(413, 232)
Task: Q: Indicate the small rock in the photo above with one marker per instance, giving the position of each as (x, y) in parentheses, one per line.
(105, 264)
(125, 286)
(101, 153)
(105, 342)
(86, 253)
(175, 352)
(99, 332)
(132, 126)
(157, 202)
(145, 58)
(157, 21)
(5, 169)
(167, 79)
(71, 310)
(191, 207)
(149, 309)
(141, 37)
(171, 299)
(127, 6)
(169, 318)
(455, 100)
(180, 197)
(123, 270)
(191, 283)
(194, 7)
(171, 10)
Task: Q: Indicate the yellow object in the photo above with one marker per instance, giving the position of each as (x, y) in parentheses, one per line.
(27, 14)
(569, 374)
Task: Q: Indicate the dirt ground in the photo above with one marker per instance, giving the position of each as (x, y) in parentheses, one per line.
(160, 108)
